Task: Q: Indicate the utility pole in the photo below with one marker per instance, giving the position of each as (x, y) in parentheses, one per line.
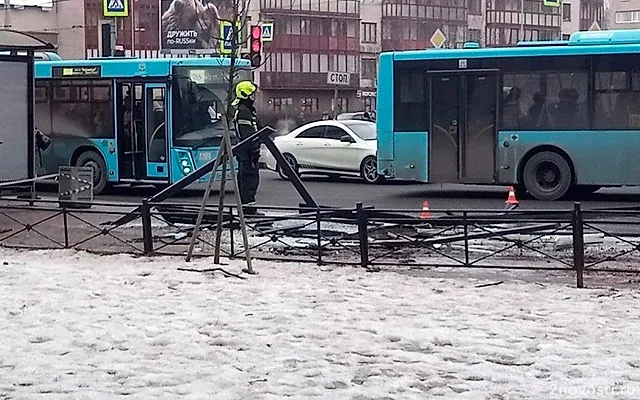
(521, 21)
(133, 27)
(7, 14)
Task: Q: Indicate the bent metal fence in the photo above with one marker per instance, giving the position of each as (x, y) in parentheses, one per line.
(572, 239)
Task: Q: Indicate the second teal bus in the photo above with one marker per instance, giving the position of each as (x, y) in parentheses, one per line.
(550, 118)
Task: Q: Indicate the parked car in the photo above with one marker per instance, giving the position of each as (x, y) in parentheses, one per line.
(361, 115)
(330, 147)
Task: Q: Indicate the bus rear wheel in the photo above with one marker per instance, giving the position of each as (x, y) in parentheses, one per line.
(547, 176)
(93, 159)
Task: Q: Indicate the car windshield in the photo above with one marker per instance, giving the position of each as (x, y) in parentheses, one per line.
(364, 129)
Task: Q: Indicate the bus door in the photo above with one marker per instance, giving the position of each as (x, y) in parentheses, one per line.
(156, 131)
(131, 131)
(463, 126)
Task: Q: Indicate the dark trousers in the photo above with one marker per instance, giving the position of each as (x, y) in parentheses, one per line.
(248, 176)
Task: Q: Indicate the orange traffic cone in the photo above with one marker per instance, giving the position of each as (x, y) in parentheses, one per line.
(425, 211)
(512, 197)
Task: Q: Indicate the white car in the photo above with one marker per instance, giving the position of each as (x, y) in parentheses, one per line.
(330, 147)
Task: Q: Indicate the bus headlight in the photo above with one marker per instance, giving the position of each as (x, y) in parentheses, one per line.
(184, 160)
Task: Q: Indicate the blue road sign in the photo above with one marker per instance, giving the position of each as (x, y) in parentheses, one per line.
(267, 31)
(226, 33)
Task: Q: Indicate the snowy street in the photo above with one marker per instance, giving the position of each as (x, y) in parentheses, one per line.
(81, 326)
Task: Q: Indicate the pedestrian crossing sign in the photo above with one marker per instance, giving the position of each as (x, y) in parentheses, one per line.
(115, 8)
(267, 31)
(226, 44)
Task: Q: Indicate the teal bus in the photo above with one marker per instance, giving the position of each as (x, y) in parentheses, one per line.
(137, 121)
(552, 118)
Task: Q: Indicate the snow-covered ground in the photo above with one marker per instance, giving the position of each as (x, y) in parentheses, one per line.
(82, 326)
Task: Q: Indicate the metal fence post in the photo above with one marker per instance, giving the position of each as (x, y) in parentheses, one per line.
(363, 235)
(147, 233)
(319, 233)
(578, 244)
(65, 222)
(466, 238)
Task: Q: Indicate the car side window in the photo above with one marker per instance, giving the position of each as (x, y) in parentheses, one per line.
(317, 132)
(335, 133)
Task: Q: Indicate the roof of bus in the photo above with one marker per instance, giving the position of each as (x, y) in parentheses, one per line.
(117, 67)
(579, 43)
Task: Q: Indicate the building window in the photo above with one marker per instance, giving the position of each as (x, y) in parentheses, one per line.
(279, 103)
(369, 104)
(342, 105)
(310, 104)
(475, 35)
(627, 17)
(369, 69)
(566, 36)
(369, 32)
(566, 12)
(475, 7)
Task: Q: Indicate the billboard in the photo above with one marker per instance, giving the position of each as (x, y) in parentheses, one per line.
(193, 25)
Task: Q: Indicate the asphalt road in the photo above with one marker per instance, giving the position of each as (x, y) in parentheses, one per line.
(345, 192)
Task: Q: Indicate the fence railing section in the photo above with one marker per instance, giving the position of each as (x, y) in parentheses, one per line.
(572, 239)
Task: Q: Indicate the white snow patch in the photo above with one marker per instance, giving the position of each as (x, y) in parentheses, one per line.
(89, 326)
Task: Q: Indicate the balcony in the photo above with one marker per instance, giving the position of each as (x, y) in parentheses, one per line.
(342, 8)
(405, 44)
(515, 18)
(372, 48)
(314, 44)
(303, 80)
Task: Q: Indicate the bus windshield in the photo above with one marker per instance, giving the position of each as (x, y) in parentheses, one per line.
(199, 95)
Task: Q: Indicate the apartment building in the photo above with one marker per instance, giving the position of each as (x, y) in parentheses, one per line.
(312, 66)
(323, 56)
(57, 22)
(623, 14)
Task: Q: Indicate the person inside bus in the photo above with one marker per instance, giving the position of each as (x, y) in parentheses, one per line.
(567, 109)
(246, 124)
(536, 108)
(511, 108)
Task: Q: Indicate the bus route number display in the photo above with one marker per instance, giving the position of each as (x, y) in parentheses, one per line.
(76, 72)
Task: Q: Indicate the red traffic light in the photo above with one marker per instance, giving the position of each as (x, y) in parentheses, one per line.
(256, 32)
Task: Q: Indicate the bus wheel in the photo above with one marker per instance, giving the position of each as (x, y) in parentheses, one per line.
(547, 176)
(93, 159)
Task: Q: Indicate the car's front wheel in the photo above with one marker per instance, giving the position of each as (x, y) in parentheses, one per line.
(291, 160)
(369, 170)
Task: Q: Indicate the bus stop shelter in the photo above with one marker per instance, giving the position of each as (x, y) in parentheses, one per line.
(17, 139)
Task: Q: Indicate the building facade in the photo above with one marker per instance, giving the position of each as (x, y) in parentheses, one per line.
(314, 42)
(57, 22)
(139, 31)
(623, 14)
(323, 56)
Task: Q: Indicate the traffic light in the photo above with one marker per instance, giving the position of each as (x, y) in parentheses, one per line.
(255, 46)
